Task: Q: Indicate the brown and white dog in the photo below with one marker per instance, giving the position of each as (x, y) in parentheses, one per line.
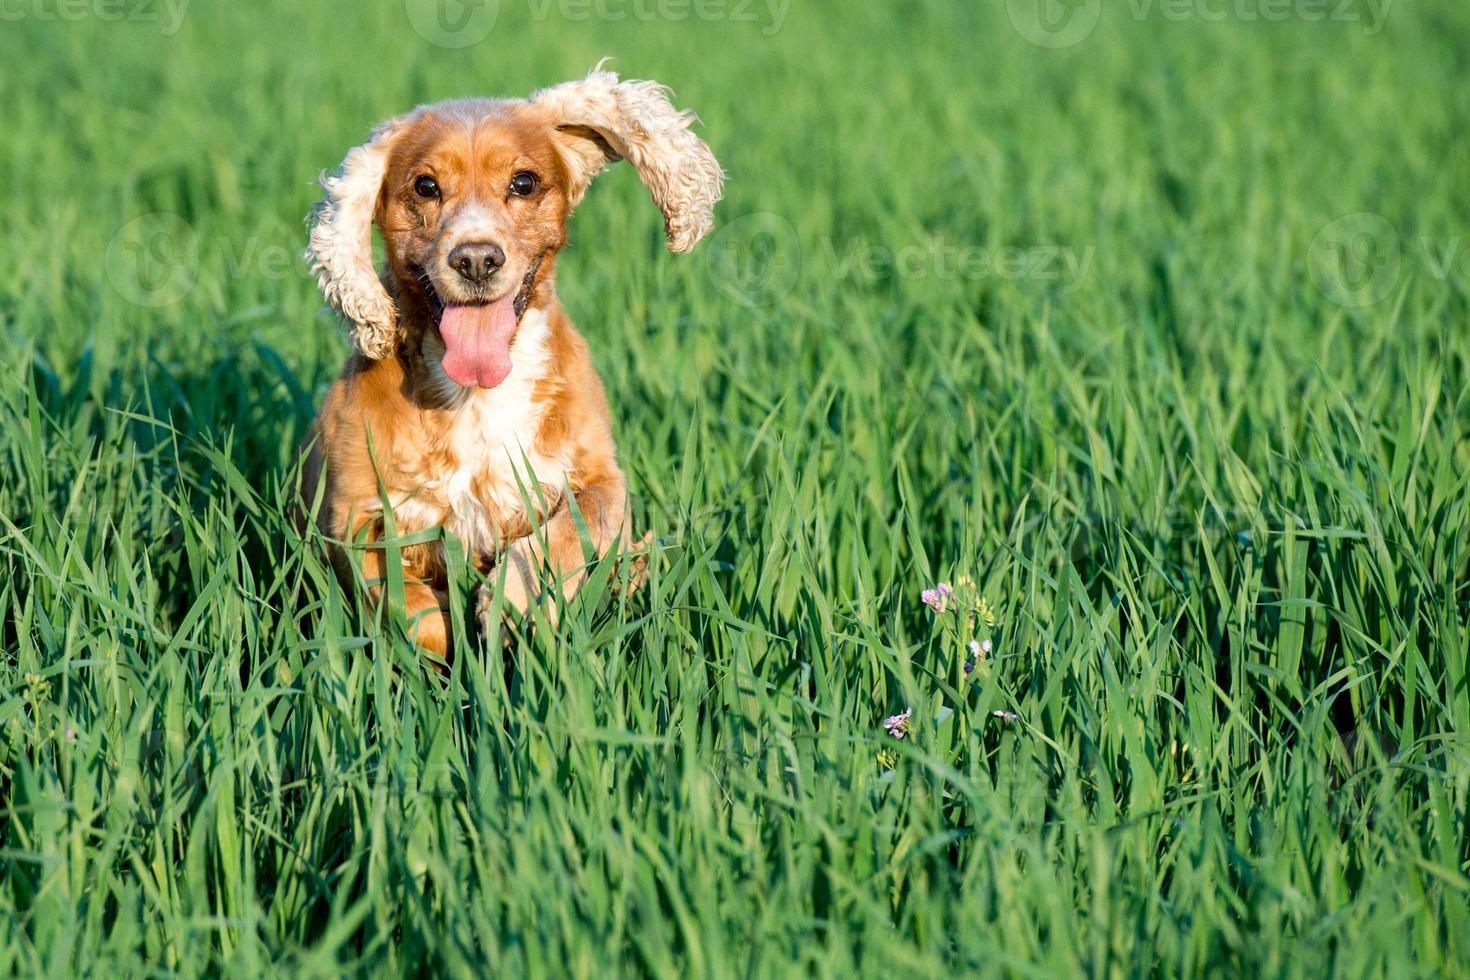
(469, 392)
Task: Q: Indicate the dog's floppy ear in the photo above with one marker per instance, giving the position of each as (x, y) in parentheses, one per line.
(341, 246)
(600, 120)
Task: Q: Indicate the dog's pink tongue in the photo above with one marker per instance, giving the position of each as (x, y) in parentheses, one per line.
(477, 342)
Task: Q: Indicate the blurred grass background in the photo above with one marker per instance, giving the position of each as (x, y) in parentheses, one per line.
(1211, 476)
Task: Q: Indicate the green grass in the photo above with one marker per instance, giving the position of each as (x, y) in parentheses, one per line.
(1223, 518)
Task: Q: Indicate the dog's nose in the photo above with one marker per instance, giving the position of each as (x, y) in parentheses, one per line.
(476, 261)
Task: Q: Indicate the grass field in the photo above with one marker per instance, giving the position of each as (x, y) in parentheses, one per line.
(1155, 329)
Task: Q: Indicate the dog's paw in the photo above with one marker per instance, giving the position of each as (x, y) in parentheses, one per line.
(491, 623)
(514, 581)
(521, 587)
(485, 607)
(633, 563)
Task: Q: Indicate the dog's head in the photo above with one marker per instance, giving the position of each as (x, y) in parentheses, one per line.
(472, 199)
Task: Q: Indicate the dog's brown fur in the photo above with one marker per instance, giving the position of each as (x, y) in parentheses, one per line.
(395, 426)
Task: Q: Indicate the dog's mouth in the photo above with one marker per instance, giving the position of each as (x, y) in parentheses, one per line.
(477, 335)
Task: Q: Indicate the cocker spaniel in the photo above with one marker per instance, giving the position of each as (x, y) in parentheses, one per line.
(469, 402)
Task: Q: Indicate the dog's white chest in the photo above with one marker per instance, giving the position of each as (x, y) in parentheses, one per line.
(494, 473)
(497, 473)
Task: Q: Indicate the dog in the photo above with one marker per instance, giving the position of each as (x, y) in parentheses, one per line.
(469, 402)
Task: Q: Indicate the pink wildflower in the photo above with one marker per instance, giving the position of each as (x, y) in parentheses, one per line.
(898, 725)
(937, 598)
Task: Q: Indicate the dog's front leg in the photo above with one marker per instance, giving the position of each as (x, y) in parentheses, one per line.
(554, 552)
(425, 606)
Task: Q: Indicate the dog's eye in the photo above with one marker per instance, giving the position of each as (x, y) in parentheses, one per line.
(426, 186)
(524, 184)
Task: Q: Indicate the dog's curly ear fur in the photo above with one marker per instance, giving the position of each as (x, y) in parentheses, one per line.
(341, 246)
(600, 120)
